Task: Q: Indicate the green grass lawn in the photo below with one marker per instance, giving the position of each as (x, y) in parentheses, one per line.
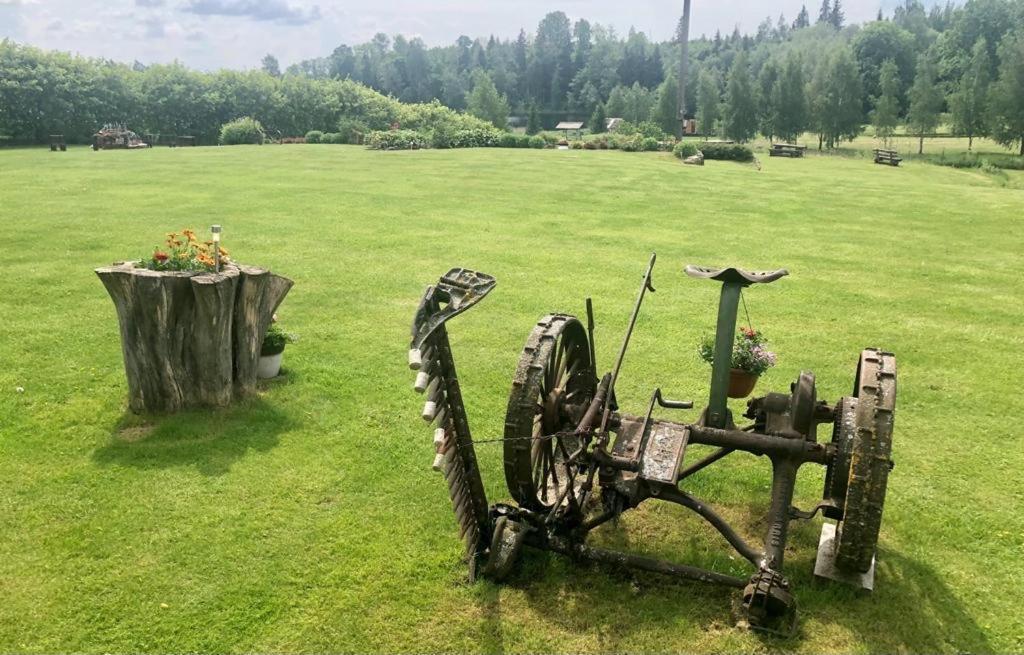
(308, 518)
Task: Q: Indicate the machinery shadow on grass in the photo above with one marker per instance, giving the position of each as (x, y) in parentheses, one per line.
(211, 441)
(912, 608)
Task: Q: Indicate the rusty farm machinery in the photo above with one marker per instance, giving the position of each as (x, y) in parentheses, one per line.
(573, 461)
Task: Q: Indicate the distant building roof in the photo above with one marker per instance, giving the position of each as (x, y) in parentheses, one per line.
(613, 124)
(569, 126)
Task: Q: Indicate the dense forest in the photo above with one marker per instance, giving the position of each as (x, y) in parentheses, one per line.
(917, 67)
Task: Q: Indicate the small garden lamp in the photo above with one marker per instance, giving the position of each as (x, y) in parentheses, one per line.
(215, 229)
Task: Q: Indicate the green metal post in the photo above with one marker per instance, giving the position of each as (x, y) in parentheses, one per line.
(725, 335)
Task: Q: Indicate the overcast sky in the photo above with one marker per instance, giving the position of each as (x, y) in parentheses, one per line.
(212, 34)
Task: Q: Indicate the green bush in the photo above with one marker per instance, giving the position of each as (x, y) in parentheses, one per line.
(684, 149)
(508, 140)
(649, 129)
(727, 152)
(650, 144)
(241, 131)
(397, 140)
(538, 142)
(332, 137)
(477, 137)
(576, 145)
(972, 160)
(314, 136)
(633, 143)
(352, 130)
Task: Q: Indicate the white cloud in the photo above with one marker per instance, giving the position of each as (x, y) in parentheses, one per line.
(163, 30)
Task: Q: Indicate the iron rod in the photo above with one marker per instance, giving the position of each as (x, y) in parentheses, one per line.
(717, 522)
(783, 484)
(704, 463)
(625, 341)
(643, 563)
(760, 444)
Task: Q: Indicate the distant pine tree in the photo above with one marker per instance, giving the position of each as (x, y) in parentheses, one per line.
(925, 99)
(825, 13)
(740, 120)
(887, 105)
(968, 103)
(803, 19)
(599, 120)
(533, 125)
(836, 17)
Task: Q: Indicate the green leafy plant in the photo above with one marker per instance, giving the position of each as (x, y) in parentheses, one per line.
(183, 252)
(750, 352)
(352, 130)
(727, 151)
(276, 339)
(241, 131)
(314, 136)
(684, 149)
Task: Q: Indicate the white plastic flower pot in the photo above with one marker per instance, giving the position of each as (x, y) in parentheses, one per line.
(269, 366)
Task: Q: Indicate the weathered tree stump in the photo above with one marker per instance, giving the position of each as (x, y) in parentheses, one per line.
(191, 339)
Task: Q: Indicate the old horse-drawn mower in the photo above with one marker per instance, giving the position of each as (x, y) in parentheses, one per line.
(573, 461)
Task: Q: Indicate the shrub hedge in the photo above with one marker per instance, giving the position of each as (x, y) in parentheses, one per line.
(727, 151)
(684, 149)
(241, 131)
(397, 140)
(314, 136)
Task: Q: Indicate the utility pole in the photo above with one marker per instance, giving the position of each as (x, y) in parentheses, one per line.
(684, 62)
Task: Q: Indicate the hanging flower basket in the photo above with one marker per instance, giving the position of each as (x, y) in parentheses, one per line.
(741, 383)
(750, 359)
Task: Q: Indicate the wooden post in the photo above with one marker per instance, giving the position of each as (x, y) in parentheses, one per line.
(191, 339)
(684, 56)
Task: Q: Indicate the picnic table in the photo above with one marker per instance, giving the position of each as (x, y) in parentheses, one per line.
(888, 157)
(786, 150)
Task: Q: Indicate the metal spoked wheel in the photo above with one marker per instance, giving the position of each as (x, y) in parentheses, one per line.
(553, 385)
(865, 428)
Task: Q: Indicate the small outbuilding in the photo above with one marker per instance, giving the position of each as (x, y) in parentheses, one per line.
(568, 126)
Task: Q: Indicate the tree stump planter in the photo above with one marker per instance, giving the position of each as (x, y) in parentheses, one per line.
(191, 339)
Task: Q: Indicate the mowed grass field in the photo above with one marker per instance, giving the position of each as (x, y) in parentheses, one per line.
(308, 519)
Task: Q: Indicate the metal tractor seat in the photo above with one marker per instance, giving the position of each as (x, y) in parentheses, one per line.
(735, 275)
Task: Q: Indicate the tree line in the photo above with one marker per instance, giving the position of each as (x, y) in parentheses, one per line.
(43, 93)
(815, 73)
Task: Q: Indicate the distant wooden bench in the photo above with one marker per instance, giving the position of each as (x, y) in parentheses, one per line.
(786, 150)
(57, 143)
(888, 157)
